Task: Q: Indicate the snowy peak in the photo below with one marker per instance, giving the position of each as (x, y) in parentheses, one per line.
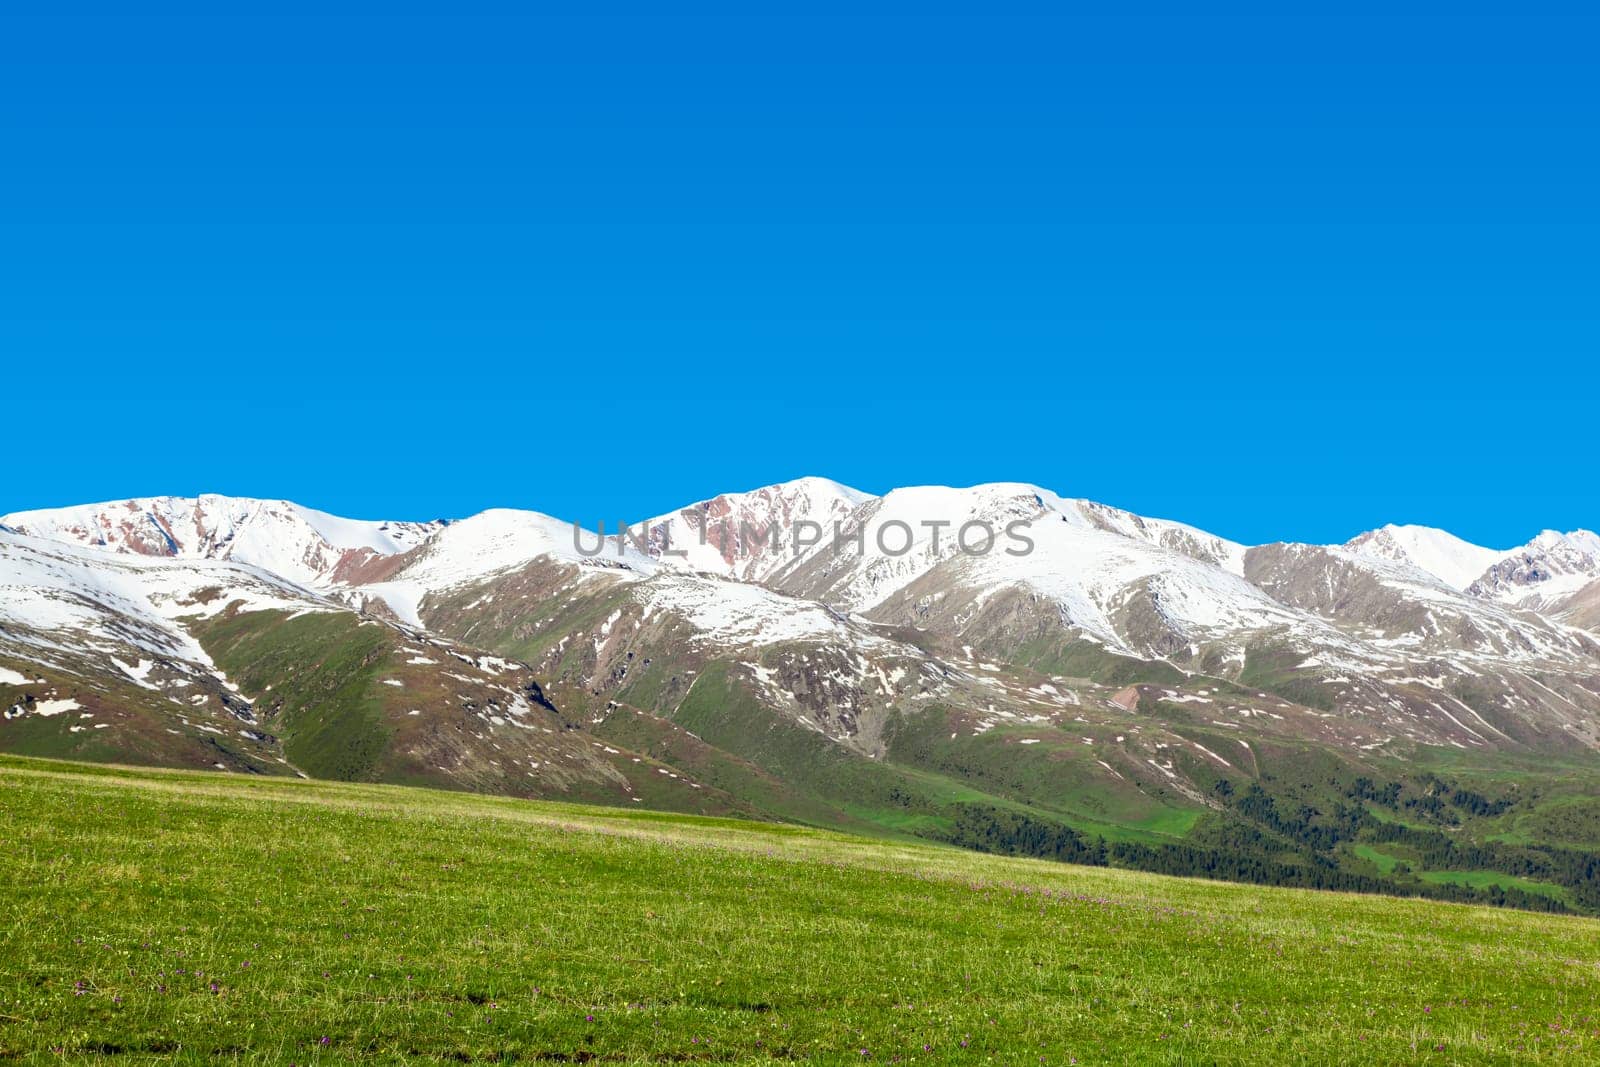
(890, 541)
(751, 535)
(1454, 562)
(489, 543)
(1543, 573)
(306, 546)
(63, 597)
(1173, 536)
(1009, 555)
(1579, 544)
(812, 488)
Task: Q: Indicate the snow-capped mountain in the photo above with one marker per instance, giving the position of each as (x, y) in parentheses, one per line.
(894, 664)
(931, 553)
(751, 535)
(918, 614)
(59, 599)
(489, 543)
(1443, 555)
(101, 636)
(837, 611)
(195, 662)
(303, 545)
(1545, 572)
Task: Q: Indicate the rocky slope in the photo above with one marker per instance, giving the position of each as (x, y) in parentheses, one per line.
(1544, 574)
(1442, 555)
(184, 661)
(293, 542)
(1000, 641)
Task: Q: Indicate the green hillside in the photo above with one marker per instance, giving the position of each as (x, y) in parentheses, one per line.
(159, 915)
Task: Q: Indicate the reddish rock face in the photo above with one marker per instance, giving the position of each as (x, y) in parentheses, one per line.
(127, 527)
(275, 535)
(749, 531)
(742, 527)
(362, 566)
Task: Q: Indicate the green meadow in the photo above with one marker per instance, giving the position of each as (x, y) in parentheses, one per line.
(173, 916)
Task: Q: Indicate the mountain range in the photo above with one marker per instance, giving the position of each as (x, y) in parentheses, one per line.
(937, 662)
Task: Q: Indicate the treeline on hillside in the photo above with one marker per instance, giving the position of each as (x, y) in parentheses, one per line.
(1579, 872)
(1234, 851)
(1431, 796)
(1309, 828)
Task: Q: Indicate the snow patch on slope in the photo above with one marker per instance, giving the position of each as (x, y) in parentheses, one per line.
(750, 536)
(1443, 555)
(1545, 572)
(495, 541)
(737, 613)
(298, 543)
(1082, 556)
(81, 598)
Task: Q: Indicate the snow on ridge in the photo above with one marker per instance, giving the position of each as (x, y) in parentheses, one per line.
(1088, 570)
(742, 613)
(382, 537)
(750, 535)
(1546, 571)
(815, 487)
(499, 540)
(1082, 554)
(67, 591)
(1438, 553)
(1584, 542)
(300, 544)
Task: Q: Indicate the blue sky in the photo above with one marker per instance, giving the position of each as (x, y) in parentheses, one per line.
(1283, 277)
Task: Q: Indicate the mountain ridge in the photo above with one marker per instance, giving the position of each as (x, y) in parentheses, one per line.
(1074, 574)
(931, 662)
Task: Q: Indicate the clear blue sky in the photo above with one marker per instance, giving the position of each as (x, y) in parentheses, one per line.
(1281, 277)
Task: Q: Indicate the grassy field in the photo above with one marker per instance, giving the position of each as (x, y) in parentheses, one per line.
(1381, 860)
(1483, 878)
(172, 915)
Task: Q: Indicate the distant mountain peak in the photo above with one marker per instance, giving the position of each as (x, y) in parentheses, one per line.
(750, 535)
(1448, 558)
(1545, 572)
(806, 488)
(1582, 542)
(296, 542)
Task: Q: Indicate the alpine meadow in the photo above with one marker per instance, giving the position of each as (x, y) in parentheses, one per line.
(468, 790)
(799, 534)
(163, 916)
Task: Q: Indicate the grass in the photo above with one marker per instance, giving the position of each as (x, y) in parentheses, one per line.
(1277, 670)
(1485, 879)
(1072, 658)
(1381, 860)
(321, 671)
(184, 916)
(1566, 820)
(1378, 812)
(1058, 778)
